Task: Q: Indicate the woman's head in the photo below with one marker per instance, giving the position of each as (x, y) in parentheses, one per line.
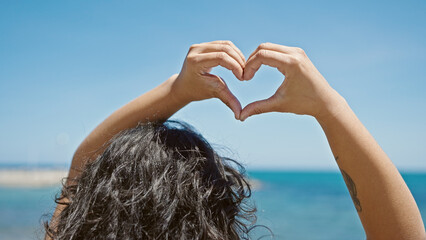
(157, 181)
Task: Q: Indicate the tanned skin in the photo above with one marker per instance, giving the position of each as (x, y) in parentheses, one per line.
(382, 199)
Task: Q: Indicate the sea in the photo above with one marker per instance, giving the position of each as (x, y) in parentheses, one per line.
(292, 204)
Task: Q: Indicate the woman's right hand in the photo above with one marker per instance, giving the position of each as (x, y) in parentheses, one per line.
(195, 82)
(304, 90)
(383, 201)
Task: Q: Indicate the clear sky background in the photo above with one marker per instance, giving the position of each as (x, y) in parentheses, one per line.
(66, 65)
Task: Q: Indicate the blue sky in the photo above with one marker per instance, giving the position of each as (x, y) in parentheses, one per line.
(66, 65)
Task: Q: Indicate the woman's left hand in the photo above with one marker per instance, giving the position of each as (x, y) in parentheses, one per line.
(195, 83)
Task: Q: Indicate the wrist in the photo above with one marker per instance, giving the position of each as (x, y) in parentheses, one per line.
(334, 106)
(177, 91)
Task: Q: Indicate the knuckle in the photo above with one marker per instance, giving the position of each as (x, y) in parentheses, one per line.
(299, 50)
(220, 55)
(295, 63)
(293, 60)
(192, 58)
(226, 48)
(299, 60)
(262, 53)
(193, 46)
(227, 42)
(264, 45)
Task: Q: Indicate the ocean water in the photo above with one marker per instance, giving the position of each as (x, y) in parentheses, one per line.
(294, 205)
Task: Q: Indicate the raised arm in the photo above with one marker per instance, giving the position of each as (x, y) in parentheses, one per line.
(193, 83)
(382, 199)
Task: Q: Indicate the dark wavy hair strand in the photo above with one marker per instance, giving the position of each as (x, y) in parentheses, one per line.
(157, 181)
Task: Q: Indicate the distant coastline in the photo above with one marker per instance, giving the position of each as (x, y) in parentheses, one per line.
(31, 177)
(21, 175)
(24, 165)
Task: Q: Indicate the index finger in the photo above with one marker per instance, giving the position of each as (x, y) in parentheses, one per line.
(213, 59)
(279, 60)
(274, 47)
(233, 46)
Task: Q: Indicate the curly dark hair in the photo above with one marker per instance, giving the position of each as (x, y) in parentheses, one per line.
(157, 181)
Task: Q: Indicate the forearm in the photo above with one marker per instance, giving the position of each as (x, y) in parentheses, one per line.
(383, 201)
(156, 105)
(194, 83)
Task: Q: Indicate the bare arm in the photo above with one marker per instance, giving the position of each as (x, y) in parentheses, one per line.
(383, 201)
(155, 105)
(193, 83)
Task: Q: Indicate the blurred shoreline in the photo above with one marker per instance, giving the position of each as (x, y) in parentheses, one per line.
(45, 177)
(21, 176)
(32, 178)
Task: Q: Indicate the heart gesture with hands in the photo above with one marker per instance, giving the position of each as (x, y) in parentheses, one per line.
(137, 144)
(304, 90)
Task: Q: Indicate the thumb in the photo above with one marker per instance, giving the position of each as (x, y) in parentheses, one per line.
(258, 107)
(227, 97)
